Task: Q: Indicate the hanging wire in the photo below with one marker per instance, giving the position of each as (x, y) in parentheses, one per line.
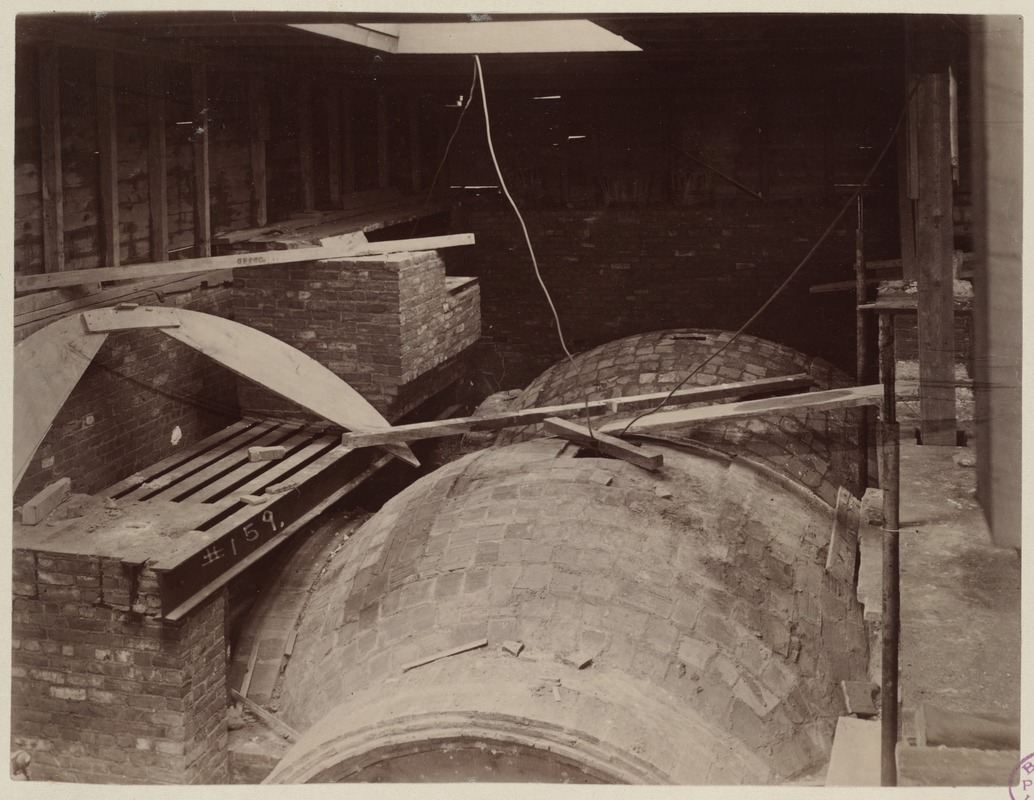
(527, 237)
(789, 278)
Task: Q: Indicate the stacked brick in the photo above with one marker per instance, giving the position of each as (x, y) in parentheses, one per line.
(621, 270)
(709, 600)
(121, 415)
(103, 691)
(380, 324)
(817, 448)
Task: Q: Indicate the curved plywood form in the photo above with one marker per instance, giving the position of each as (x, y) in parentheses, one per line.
(47, 366)
(282, 369)
(49, 363)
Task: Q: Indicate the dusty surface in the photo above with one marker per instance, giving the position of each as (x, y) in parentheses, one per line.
(960, 594)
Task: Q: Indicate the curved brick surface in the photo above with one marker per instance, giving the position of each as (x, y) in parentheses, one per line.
(713, 627)
(817, 449)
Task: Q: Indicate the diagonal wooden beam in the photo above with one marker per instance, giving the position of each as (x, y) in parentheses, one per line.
(829, 400)
(609, 445)
(434, 429)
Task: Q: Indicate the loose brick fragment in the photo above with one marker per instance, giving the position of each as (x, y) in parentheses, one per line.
(513, 648)
(266, 453)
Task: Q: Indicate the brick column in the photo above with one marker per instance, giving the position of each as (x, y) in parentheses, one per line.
(103, 690)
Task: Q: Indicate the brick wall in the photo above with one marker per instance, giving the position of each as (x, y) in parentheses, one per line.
(378, 323)
(121, 415)
(615, 271)
(102, 690)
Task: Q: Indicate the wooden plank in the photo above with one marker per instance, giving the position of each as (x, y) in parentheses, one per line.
(107, 146)
(610, 445)
(51, 182)
(383, 165)
(283, 370)
(105, 320)
(57, 303)
(158, 191)
(450, 427)
(452, 651)
(285, 466)
(842, 553)
(274, 723)
(332, 104)
(303, 120)
(200, 137)
(258, 118)
(201, 460)
(934, 252)
(854, 759)
(248, 468)
(906, 210)
(184, 266)
(46, 500)
(47, 366)
(181, 457)
(196, 482)
(941, 727)
(829, 400)
(364, 248)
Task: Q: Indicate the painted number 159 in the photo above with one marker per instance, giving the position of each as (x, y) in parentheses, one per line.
(251, 533)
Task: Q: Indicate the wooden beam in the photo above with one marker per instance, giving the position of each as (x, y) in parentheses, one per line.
(303, 118)
(258, 118)
(362, 248)
(829, 400)
(280, 727)
(184, 266)
(107, 146)
(106, 320)
(202, 200)
(332, 104)
(347, 145)
(530, 416)
(609, 445)
(934, 250)
(383, 168)
(51, 185)
(158, 199)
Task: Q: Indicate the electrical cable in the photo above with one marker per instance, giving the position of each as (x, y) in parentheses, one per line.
(524, 228)
(789, 278)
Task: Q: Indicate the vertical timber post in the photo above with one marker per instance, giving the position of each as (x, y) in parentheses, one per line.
(890, 465)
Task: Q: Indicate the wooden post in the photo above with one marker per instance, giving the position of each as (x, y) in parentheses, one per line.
(888, 368)
(861, 331)
(107, 148)
(332, 103)
(202, 201)
(347, 145)
(906, 211)
(158, 199)
(303, 115)
(383, 171)
(889, 482)
(258, 116)
(934, 250)
(51, 185)
(415, 150)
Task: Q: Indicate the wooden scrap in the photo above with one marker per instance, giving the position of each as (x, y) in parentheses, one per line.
(253, 499)
(610, 445)
(273, 722)
(577, 660)
(452, 651)
(843, 538)
(45, 501)
(556, 693)
(280, 488)
(275, 453)
(860, 698)
(513, 648)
